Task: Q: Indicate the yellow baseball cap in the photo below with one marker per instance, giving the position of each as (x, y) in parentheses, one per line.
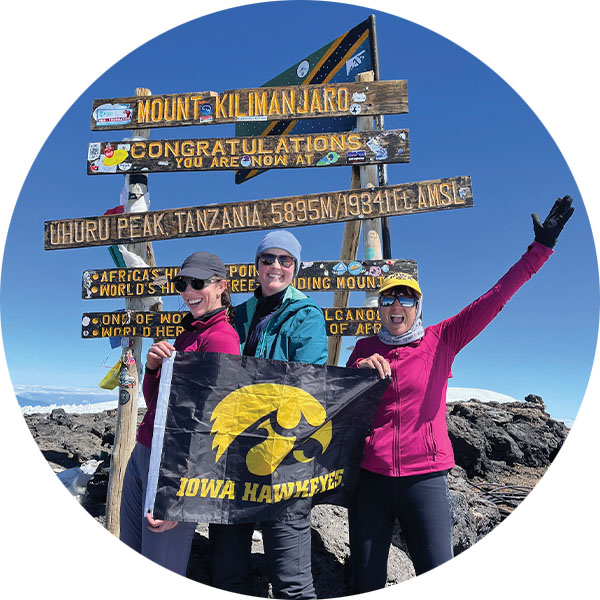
(398, 279)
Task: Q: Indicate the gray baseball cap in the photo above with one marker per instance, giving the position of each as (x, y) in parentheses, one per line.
(202, 265)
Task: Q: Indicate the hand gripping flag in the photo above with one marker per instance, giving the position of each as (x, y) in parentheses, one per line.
(337, 62)
(238, 439)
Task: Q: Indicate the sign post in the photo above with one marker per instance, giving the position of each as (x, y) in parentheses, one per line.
(371, 229)
(287, 139)
(128, 381)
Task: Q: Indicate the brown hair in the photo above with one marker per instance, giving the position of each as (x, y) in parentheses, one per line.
(226, 302)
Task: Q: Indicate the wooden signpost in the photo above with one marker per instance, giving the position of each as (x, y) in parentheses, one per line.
(317, 276)
(230, 154)
(254, 104)
(257, 215)
(365, 150)
(359, 321)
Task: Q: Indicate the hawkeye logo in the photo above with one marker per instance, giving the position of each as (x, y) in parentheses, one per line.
(255, 404)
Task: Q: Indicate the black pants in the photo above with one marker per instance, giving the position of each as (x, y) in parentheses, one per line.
(421, 503)
(287, 552)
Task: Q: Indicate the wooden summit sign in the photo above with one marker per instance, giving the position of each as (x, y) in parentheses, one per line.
(256, 215)
(167, 324)
(254, 104)
(327, 276)
(269, 152)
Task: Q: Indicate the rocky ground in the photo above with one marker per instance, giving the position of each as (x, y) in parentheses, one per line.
(501, 452)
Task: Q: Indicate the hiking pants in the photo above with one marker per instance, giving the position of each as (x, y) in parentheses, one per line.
(287, 552)
(421, 503)
(170, 549)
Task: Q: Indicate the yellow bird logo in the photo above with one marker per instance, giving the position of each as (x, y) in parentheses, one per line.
(248, 405)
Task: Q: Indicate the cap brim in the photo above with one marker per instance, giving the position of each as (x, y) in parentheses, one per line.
(393, 284)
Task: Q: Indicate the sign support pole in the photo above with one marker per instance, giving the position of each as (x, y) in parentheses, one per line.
(361, 177)
(128, 384)
(383, 180)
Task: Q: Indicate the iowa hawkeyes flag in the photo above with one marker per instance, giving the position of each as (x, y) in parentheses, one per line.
(237, 438)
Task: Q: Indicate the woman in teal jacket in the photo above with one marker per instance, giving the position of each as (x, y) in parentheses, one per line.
(295, 331)
(280, 323)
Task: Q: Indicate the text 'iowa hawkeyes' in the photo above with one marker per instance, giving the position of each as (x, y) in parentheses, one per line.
(260, 493)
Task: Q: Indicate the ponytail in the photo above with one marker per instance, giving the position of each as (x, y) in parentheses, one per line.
(226, 302)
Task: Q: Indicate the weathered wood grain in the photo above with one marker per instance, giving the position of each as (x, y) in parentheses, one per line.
(251, 104)
(257, 215)
(351, 321)
(229, 154)
(315, 276)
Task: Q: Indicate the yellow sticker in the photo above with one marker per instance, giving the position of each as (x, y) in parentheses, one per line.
(117, 157)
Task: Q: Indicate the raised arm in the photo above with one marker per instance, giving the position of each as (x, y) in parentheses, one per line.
(459, 330)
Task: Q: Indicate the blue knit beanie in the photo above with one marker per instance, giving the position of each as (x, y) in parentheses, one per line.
(280, 239)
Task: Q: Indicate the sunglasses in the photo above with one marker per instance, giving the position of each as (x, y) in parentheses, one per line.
(283, 259)
(181, 283)
(406, 301)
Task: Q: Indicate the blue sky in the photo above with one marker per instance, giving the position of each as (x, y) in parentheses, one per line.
(545, 51)
(463, 120)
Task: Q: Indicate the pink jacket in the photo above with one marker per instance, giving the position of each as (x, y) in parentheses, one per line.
(409, 434)
(213, 335)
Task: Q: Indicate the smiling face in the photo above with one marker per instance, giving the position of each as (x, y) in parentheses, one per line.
(274, 278)
(205, 300)
(398, 319)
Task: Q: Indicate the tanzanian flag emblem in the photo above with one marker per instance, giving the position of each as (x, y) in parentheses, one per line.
(237, 438)
(337, 62)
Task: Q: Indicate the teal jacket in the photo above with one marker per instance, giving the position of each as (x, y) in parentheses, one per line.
(296, 332)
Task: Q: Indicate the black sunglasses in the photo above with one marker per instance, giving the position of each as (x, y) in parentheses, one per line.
(406, 301)
(181, 283)
(283, 259)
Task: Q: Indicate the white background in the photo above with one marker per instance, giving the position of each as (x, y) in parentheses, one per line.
(547, 52)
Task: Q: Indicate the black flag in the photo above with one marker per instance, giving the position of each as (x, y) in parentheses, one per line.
(237, 438)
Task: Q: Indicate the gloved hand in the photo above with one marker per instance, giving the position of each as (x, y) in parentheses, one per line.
(547, 232)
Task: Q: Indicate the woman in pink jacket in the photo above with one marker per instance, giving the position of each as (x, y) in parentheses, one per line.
(408, 453)
(207, 328)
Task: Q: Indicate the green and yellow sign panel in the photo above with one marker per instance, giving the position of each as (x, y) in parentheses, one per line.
(266, 436)
(341, 60)
(314, 276)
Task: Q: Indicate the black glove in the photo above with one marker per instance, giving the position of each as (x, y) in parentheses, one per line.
(547, 232)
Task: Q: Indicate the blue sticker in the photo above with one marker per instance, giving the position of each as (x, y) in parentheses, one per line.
(355, 268)
(112, 114)
(370, 253)
(339, 269)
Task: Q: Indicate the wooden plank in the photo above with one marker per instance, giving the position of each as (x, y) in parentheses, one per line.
(351, 321)
(229, 154)
(316, 276)
(251, 104)
(129, 385)
(258, 215)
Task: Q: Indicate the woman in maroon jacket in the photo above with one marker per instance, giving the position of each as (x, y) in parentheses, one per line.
(408, 453)
(207, 328)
